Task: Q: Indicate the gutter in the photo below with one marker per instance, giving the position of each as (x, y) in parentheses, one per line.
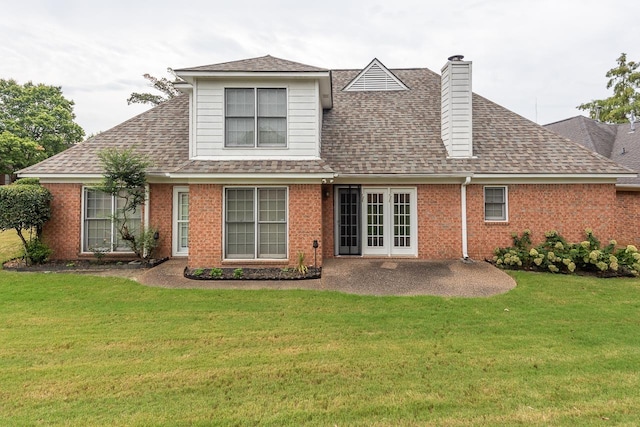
(463, 217)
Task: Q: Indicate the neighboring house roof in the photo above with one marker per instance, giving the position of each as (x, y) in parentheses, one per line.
(365, 133)
(615, 141)
(398, 132)
(266, 63)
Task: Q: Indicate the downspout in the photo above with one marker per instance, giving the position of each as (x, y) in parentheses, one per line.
(463, 216)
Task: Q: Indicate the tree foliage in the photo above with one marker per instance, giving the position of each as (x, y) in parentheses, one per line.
(25, 207)
(161, 84)
(17, 153)
(124, 176)
(37, 113)
(625, 81)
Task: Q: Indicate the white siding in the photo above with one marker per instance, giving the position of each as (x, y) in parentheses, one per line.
(456, 109)
(303, 126)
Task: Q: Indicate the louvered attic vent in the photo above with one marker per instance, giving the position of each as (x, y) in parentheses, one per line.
(375, 77)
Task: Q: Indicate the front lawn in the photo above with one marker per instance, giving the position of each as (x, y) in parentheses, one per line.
(10, 246)
(78, 350)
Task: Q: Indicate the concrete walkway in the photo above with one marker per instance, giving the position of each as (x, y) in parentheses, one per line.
(363, 276)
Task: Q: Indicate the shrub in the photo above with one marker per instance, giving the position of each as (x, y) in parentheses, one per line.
(216, 272)
(27, 181)
(238, 273)
(37, 252)
(24, 206)
(556, 255)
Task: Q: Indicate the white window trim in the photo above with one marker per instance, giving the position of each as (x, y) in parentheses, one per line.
(255, 218)
(506, 203)
(83, 219)
(255, 118)
(175, 244)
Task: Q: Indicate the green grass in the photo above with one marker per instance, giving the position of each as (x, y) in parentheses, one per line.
(78, 350)
(10, 245)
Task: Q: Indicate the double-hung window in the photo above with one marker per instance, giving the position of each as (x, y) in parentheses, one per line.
(255, 117)
(495, 203)
(101, 216)
(255, 223)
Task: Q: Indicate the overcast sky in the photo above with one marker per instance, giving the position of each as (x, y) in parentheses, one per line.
(538, 58)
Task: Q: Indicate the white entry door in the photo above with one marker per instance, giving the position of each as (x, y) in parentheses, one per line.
(390, 219)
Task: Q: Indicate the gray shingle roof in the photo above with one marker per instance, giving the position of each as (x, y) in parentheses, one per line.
(266, 63)
(399, 133)
(254, 166)
(161, 133)
(365, 133)
(614, 141)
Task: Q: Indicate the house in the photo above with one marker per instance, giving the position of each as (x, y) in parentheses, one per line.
(261, 158)
(620, 143)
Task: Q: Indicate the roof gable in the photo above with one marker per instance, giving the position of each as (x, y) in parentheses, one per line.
(265, 63)
(375, 77)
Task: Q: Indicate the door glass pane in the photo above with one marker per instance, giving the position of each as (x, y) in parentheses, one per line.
(183, 222)
(375, 219)
(401, 219)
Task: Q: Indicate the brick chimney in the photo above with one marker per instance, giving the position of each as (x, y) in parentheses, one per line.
(456, 118)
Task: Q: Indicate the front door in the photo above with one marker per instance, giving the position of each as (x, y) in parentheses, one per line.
(390, 218)
(349, 221)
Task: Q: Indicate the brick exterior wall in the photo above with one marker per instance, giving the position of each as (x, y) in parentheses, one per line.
(305, 222)
(567, 208)
(161, 216)
(439, 226)
(205, 226)
(627, 218)
(328, 238)
(62, 232)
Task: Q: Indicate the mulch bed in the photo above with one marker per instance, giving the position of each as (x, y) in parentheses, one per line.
(19, 264)
(252, 274)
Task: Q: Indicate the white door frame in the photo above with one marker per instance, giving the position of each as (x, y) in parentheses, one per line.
(388, 248)
(176, 249)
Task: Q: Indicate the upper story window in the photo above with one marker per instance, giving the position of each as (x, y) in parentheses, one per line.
(255, 117)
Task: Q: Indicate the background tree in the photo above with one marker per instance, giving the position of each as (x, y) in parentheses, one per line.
(625, 81)
(38, 113)
(161, 84)
(17, 153)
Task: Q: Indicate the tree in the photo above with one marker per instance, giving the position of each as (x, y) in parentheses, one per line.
(161, 84)
(625, 81)
(38, 113)
(26, 206)
(125, 177)
(18, 153)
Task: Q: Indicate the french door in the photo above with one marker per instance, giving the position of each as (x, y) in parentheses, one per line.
(389, 216)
